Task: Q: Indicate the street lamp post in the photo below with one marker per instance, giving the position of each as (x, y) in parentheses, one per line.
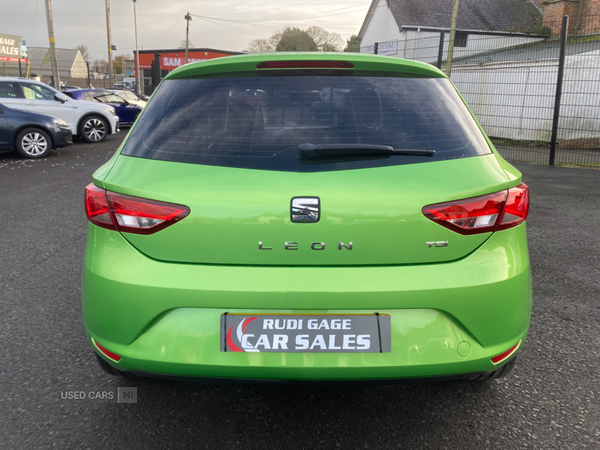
(138, 79)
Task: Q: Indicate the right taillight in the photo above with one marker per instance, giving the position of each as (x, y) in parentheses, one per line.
(483, 214)
(517, 207)
(130, 214)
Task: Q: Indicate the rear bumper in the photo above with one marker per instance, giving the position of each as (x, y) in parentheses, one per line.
(164, 318)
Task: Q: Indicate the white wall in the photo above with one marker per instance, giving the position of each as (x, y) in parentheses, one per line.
(79, 69)
(515, 100)
(382, 26)
(424, 45)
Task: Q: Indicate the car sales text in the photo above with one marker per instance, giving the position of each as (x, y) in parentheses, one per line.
(305, 341)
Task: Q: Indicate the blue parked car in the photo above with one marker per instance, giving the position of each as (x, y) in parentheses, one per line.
(126, 112)
(33, 135)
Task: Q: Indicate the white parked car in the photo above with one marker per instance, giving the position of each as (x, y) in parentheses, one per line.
(92, 121)
(130, 97)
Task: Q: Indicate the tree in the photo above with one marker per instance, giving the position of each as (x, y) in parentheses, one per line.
(190, 44)
(260, 45)
(352, 44)
(265, 45)
(118, 62)
(326, 41)
(296, 40)
(100, 65)
(83, 49)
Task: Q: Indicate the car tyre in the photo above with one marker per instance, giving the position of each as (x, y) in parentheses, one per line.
(93, 129)
(33, 143)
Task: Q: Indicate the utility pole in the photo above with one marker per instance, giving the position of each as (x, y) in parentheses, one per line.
(55, 76)
(87, 63)
(138, 79)
(110, 61)
(187, 17)
(452, 34)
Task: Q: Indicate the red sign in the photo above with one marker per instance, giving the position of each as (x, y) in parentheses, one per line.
(174, 59)
(7, 58)
(169, 62)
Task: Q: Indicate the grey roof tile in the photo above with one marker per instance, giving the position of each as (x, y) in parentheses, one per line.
(488, 15)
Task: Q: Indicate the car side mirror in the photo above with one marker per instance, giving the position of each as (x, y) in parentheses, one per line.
(59, 96)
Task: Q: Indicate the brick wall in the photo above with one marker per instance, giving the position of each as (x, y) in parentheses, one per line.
(554, 10)
(590, 23)
(591, 7)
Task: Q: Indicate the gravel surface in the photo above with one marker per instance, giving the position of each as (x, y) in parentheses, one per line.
(551, 399)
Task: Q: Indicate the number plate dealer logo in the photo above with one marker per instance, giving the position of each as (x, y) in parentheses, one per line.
(305, 209)
(368, 333)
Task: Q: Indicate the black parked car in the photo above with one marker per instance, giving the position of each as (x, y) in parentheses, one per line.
(32, 135)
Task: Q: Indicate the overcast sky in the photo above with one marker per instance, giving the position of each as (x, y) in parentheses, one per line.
(228, 24)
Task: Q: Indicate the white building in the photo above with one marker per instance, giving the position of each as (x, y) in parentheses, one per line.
(412, 28)
(70, 62)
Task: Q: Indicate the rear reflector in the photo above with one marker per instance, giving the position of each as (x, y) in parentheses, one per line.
(270, 65)
(484, 214)
(498, 359)
(130, 214)
(107, 353)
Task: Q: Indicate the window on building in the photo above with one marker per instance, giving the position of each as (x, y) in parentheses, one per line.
(460, 39)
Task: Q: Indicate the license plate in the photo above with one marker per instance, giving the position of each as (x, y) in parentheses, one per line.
(350, 333)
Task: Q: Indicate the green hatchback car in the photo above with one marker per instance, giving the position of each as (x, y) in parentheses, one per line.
(303, 216)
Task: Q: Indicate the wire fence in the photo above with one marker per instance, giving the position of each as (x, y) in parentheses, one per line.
(73, 70)
(536, 94)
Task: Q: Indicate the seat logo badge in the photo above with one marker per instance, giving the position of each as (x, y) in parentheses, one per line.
(305, 210)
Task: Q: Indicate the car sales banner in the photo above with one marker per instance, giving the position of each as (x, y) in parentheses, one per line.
(12, 48)
(351, 333)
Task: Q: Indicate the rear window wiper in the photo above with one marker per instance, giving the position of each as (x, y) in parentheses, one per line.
(310, 151)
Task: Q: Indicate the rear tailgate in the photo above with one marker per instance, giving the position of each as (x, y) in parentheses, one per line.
(378, 210)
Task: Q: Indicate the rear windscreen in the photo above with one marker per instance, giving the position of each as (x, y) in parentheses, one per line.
(259, 122)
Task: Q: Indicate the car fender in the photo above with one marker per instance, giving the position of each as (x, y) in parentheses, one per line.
(18, 129)
(94, 113)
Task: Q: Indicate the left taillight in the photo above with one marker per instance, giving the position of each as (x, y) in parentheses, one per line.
(130, 214)
(484, 214)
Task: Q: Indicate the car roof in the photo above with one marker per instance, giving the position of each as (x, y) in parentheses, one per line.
(2, 78)
(361, 62)
(90, 90)
(29, 80)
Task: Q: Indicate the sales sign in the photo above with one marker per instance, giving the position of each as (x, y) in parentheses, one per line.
(12, 48)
